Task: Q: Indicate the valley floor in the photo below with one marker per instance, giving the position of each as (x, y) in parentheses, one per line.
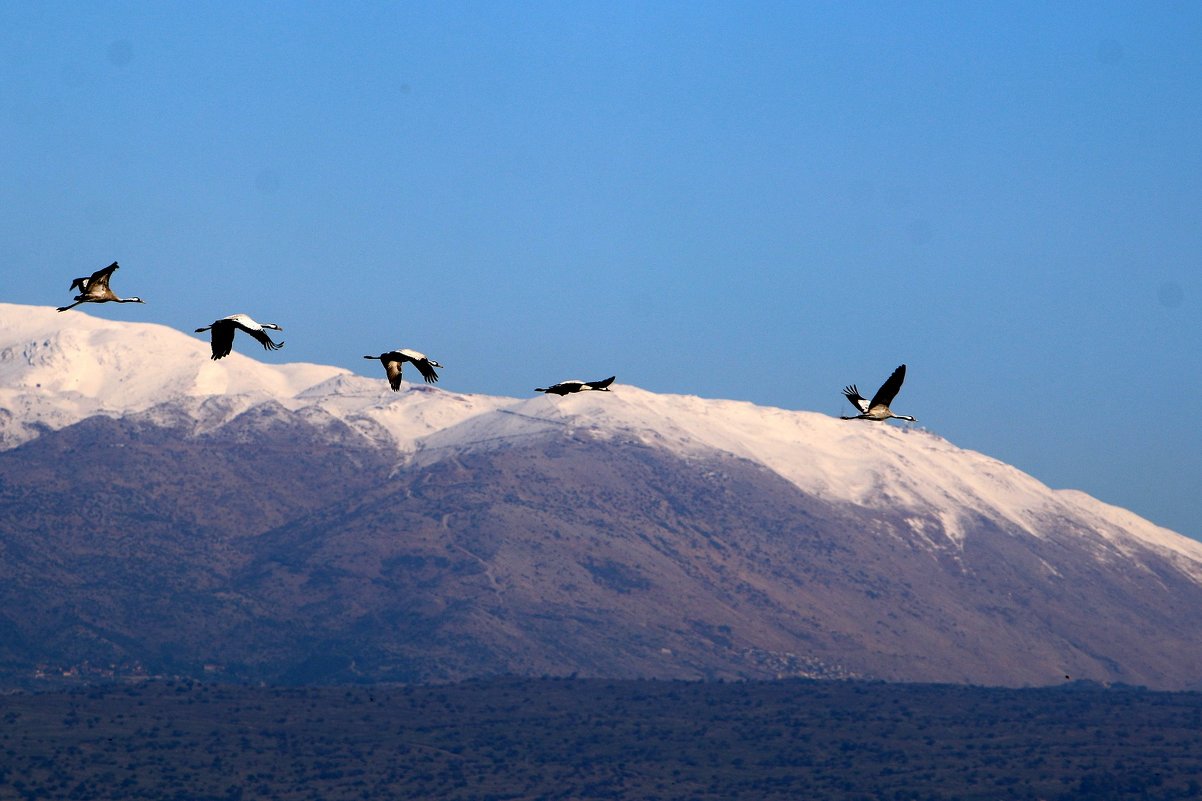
(510, 738)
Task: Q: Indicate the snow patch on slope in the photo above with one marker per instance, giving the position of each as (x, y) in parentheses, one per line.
(57, 369)
(887, 467)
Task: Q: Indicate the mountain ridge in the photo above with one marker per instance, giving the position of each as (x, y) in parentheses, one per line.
(420, 420)
(309, 524)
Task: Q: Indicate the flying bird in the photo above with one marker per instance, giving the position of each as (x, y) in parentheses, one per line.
(95, 289)
(394, 360)
(223, 333)
(576, 385)
(878, 407)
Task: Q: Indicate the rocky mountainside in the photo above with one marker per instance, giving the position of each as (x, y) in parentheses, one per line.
(161, 512)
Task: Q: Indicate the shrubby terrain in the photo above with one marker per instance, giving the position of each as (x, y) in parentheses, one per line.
(509, 738)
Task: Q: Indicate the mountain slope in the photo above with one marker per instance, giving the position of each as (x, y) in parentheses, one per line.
(299, 522)
(878, 466)
(630, 564)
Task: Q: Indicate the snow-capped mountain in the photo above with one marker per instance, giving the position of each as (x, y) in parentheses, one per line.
(58, 369)
(432, 534)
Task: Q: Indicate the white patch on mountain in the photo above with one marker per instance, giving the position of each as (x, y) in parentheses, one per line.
(57, 369)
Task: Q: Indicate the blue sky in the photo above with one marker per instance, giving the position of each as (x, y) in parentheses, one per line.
(757, 201)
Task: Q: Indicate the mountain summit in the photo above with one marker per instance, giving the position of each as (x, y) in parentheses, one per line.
(302, 523)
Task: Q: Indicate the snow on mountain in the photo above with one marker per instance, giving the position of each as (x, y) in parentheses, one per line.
(863, 463)
(57, 369)
(128, 366)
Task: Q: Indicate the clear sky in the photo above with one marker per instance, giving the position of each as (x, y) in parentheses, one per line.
(761, 201)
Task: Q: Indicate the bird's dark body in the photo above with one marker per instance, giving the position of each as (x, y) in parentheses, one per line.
(394, 360)
(878, 407)
(223, 330)
(575, 385)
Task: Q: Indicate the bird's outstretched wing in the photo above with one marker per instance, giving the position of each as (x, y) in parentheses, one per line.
(426, 369)
(221, 338)
(602, 384)
(100, 278)
(857, 400)
(261, 335)
(888, 391)
(393, 368)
